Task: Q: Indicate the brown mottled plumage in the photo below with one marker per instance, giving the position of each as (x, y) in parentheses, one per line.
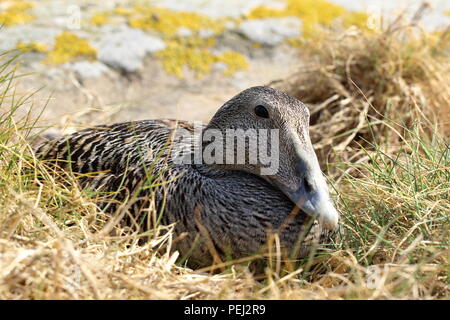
(226, 210)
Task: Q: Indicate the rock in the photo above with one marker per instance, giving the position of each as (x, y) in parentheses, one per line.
(184, 32)
(229, 25)
(384, 12)
(11, 36)
(125, 48)
(88, 69)
(218, 8)
(270, 31)
(55, 74)
(219, 66)
(205, 33)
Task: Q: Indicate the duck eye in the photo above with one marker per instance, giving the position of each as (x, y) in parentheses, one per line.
(261, 111)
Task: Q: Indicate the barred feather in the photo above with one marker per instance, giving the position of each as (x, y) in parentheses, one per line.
(237, 209)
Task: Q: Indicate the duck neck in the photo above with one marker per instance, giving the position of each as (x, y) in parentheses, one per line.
(210, 150)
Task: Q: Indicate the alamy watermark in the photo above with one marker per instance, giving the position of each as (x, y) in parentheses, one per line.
(374, 20)
(373, 277)
(73, 19)
(228, 147)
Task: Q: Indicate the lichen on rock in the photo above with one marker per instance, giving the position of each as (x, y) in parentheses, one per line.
(188, 36)
(234, 61)
(312, 13)
(99, 18)
(195, 54)
(177, 55)
(32, 46)
(168, 21)
(15, 12)
(69, 46)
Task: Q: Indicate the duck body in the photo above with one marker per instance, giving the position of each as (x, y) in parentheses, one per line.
(238, 210)
(220, 212)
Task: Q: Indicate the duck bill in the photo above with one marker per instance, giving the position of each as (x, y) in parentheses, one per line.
(316, 204)
(310, 193)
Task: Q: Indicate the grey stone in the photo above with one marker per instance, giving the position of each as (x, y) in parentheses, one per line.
(55, 74)
(219, 66)
(218, 8)
(88, 69)
(11, 36)
(205, 33)
(125, 48)
(270, 31)
(184, 32)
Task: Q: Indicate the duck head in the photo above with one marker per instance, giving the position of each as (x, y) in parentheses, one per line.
(281, 153)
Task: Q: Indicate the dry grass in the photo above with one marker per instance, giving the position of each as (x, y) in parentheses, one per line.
(376, 99)
(357, 83)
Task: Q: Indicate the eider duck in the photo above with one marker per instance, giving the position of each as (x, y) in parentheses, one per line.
(226, 205)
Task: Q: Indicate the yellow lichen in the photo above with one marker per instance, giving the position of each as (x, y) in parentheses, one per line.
(194, 53)
(295, 42)
(181, 52)
(169, 21)
(358, 19)
(187, 52)
(176, 56)
(123, 11)
(163, 20)
(16, 12)
(196, 42)
(234, 60)
(69, 46)
(32, 46)
(100, 18)
(312, 13)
